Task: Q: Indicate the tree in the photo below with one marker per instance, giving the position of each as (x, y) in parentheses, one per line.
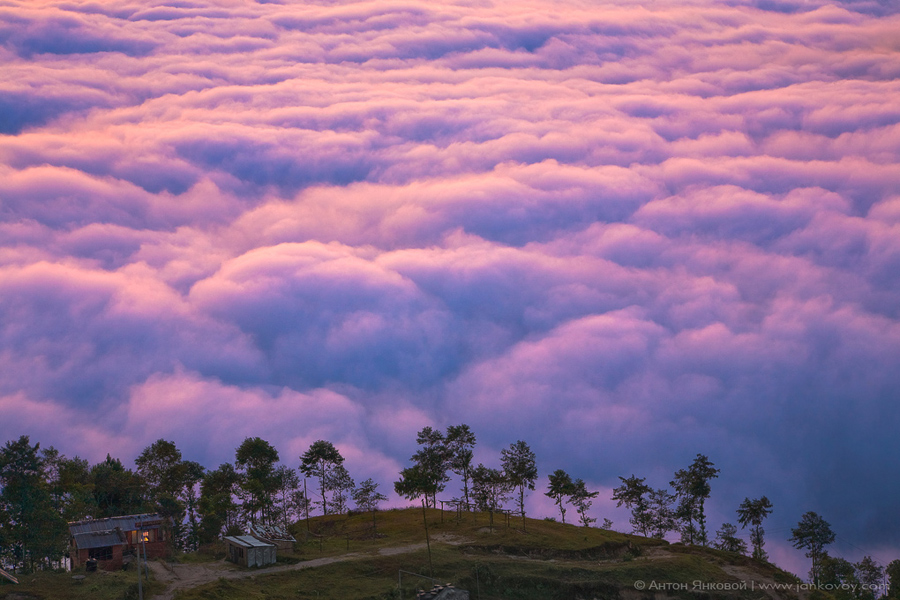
(414, 483)
(560, 488)
(633, 494)
(812, 534)
(433, 459)
(839, 576)
(727, 540)
(341, 485)
(754, 512)
(319, 461)
(367, 497)
(256, 458)
(660, 514)
(218, 510)
(490, 490)
(520, 470)
(286, 484)
(193, 476)
(870, 576)
(164, 474)
(893, 573)
(460, 445)
(33, 527)
(692, 488)
(117, 490)
(70, 484)
(582, 500)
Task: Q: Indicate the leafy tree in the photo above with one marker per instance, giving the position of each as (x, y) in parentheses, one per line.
(33, 527)
(490, 490)
(753, 512)
(727, 540)
(414, 483)
(839, 575)
(460, 445)
(341, 485)
(606, 524)
(367, 497)
(320, 461)
(660, 514)
(117, 490)
(812, 534)
(286, 484)
(870, 576)
(256, 458)
(164, 474)
(560, 488)
(893, 573)
(633, 494)
(193, 476)
(434, 459)
(70, 484)
(582, 500)
(218, 510)
(692, 488)
(520, 471)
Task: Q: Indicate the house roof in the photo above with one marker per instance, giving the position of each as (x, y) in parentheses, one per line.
(248, 541)
(125, 523)
(271, 532)
(99, 539)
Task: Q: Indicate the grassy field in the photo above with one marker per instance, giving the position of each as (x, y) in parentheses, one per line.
(100, 585)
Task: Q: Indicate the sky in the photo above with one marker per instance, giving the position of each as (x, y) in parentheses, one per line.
(626, 233)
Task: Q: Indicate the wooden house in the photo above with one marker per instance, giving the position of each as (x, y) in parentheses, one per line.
(109, 541)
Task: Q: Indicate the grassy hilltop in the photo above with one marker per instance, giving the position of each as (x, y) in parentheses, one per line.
(341, 558)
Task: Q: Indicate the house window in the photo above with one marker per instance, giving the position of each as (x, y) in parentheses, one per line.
(104, 553)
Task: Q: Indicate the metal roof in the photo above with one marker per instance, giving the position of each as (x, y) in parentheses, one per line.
(125, 523)
(248, 541)
(99, 539)
(271, 532)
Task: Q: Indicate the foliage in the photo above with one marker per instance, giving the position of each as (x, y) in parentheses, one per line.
(582, 500)
(560, 487)
(870, 576)
(320, 460)
(753, 512)
(218, 511)
(117, 490)
(520, 470)
(692, 488)
(490, 489)
(460, 445)
(633, 495)
(812, 534)
(367, 498)
(433, 460)
(727, 540)
(255, 459)
(33, 527)
(660, 514)
(893, 573)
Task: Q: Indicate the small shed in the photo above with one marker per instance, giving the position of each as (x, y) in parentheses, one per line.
(108, 540)
(273, 534)
(248, 551)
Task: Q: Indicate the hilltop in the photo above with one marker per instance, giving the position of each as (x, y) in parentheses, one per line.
(341, 557)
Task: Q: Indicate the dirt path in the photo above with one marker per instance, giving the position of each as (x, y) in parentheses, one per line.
(186, 576)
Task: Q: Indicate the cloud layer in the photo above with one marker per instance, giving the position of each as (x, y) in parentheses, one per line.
(624, 234)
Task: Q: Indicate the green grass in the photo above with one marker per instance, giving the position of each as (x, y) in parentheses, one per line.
(550, 562)
(100, 585)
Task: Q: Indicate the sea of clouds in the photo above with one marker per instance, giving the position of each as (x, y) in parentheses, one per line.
(623, 233)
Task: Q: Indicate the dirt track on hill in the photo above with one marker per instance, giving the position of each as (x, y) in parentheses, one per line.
(179, 577)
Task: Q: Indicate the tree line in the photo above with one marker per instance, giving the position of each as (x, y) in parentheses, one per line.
(41, 490)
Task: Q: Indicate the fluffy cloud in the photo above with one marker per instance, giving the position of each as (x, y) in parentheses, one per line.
(624, 234)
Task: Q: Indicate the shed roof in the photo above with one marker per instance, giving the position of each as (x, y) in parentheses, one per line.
(271, 532)
(248, 541)
(125, 523)
(99, 539)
